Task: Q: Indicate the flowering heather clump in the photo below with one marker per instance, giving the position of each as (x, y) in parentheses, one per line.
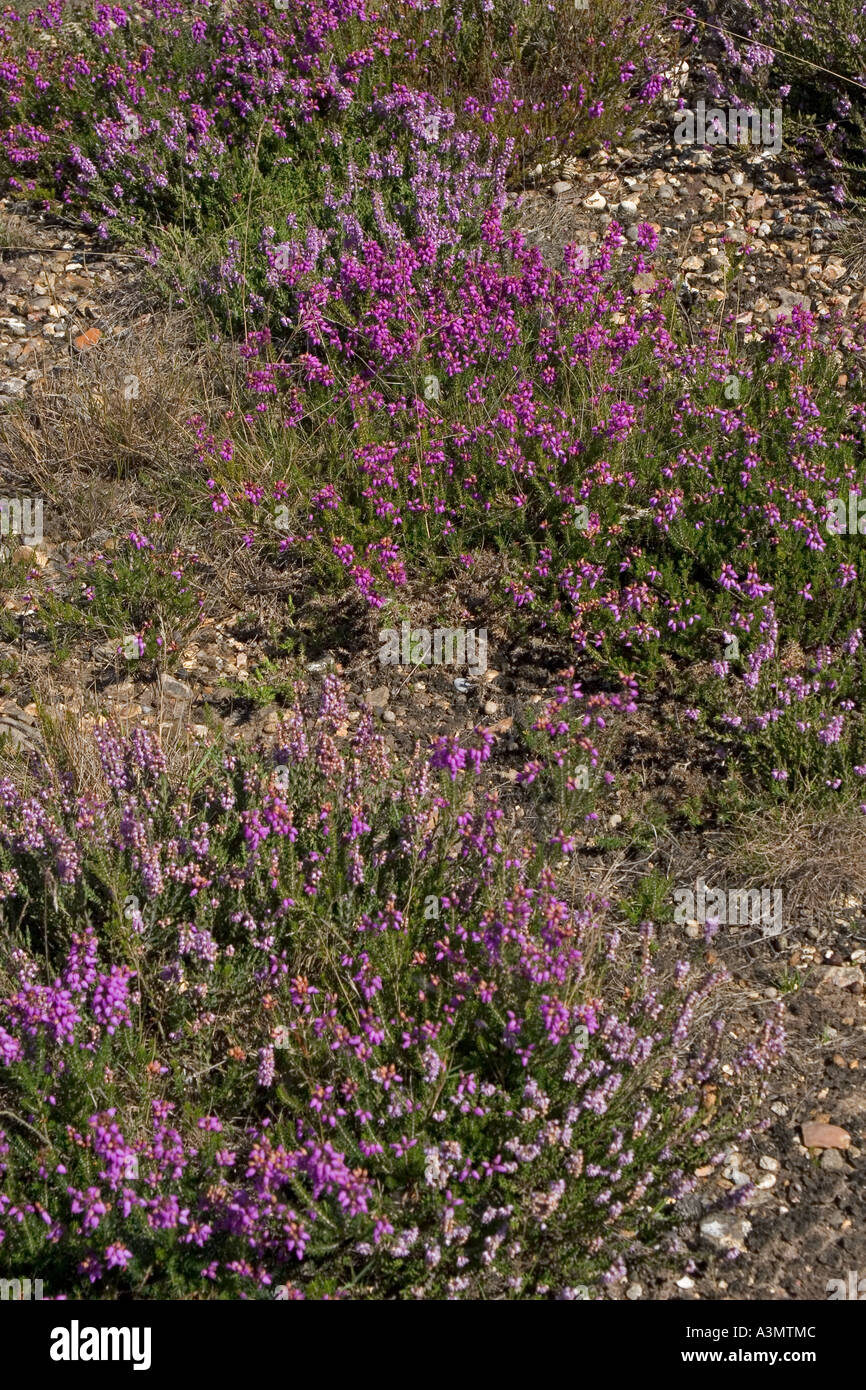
(654, 498)
(809, 57)
(157, 113)
(377, 1048)
(329, 1015)
(422, 388)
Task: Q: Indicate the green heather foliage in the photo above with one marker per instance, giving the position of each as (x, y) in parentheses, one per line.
(359, 1042)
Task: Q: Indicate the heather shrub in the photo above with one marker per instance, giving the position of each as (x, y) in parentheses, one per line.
(147, 597)
(422, 390)
(656, 501)
(320, 1017)
(317, 1021)
(173, 123)
(808, 58)
(570, 76)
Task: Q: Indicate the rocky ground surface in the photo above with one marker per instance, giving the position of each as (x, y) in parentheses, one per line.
(741, 233)
(60, 295)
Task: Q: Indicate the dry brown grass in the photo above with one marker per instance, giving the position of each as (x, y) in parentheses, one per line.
(66, 743)
(105, 434)
(817, 861)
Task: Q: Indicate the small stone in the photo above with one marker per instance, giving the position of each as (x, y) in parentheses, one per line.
(788, 299)
(31, 555)
(21, 735)
(634, 1292)
(841, 977)
(175, 689)
(726, 1231)
(614, 820)
(596, 202)
(13, 386)
(693, 263)
(833, 1162)
(769, 1180)
(490, 707)
(769, 1165)
(685, 1282)
(377, 699)
(389, 716)
(824, 1136)
(627, 208)
(560, 187)
(87, 340)
(734, 1175)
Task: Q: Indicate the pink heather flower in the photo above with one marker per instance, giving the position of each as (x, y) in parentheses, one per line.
(267, 1067)
(117, 1256)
